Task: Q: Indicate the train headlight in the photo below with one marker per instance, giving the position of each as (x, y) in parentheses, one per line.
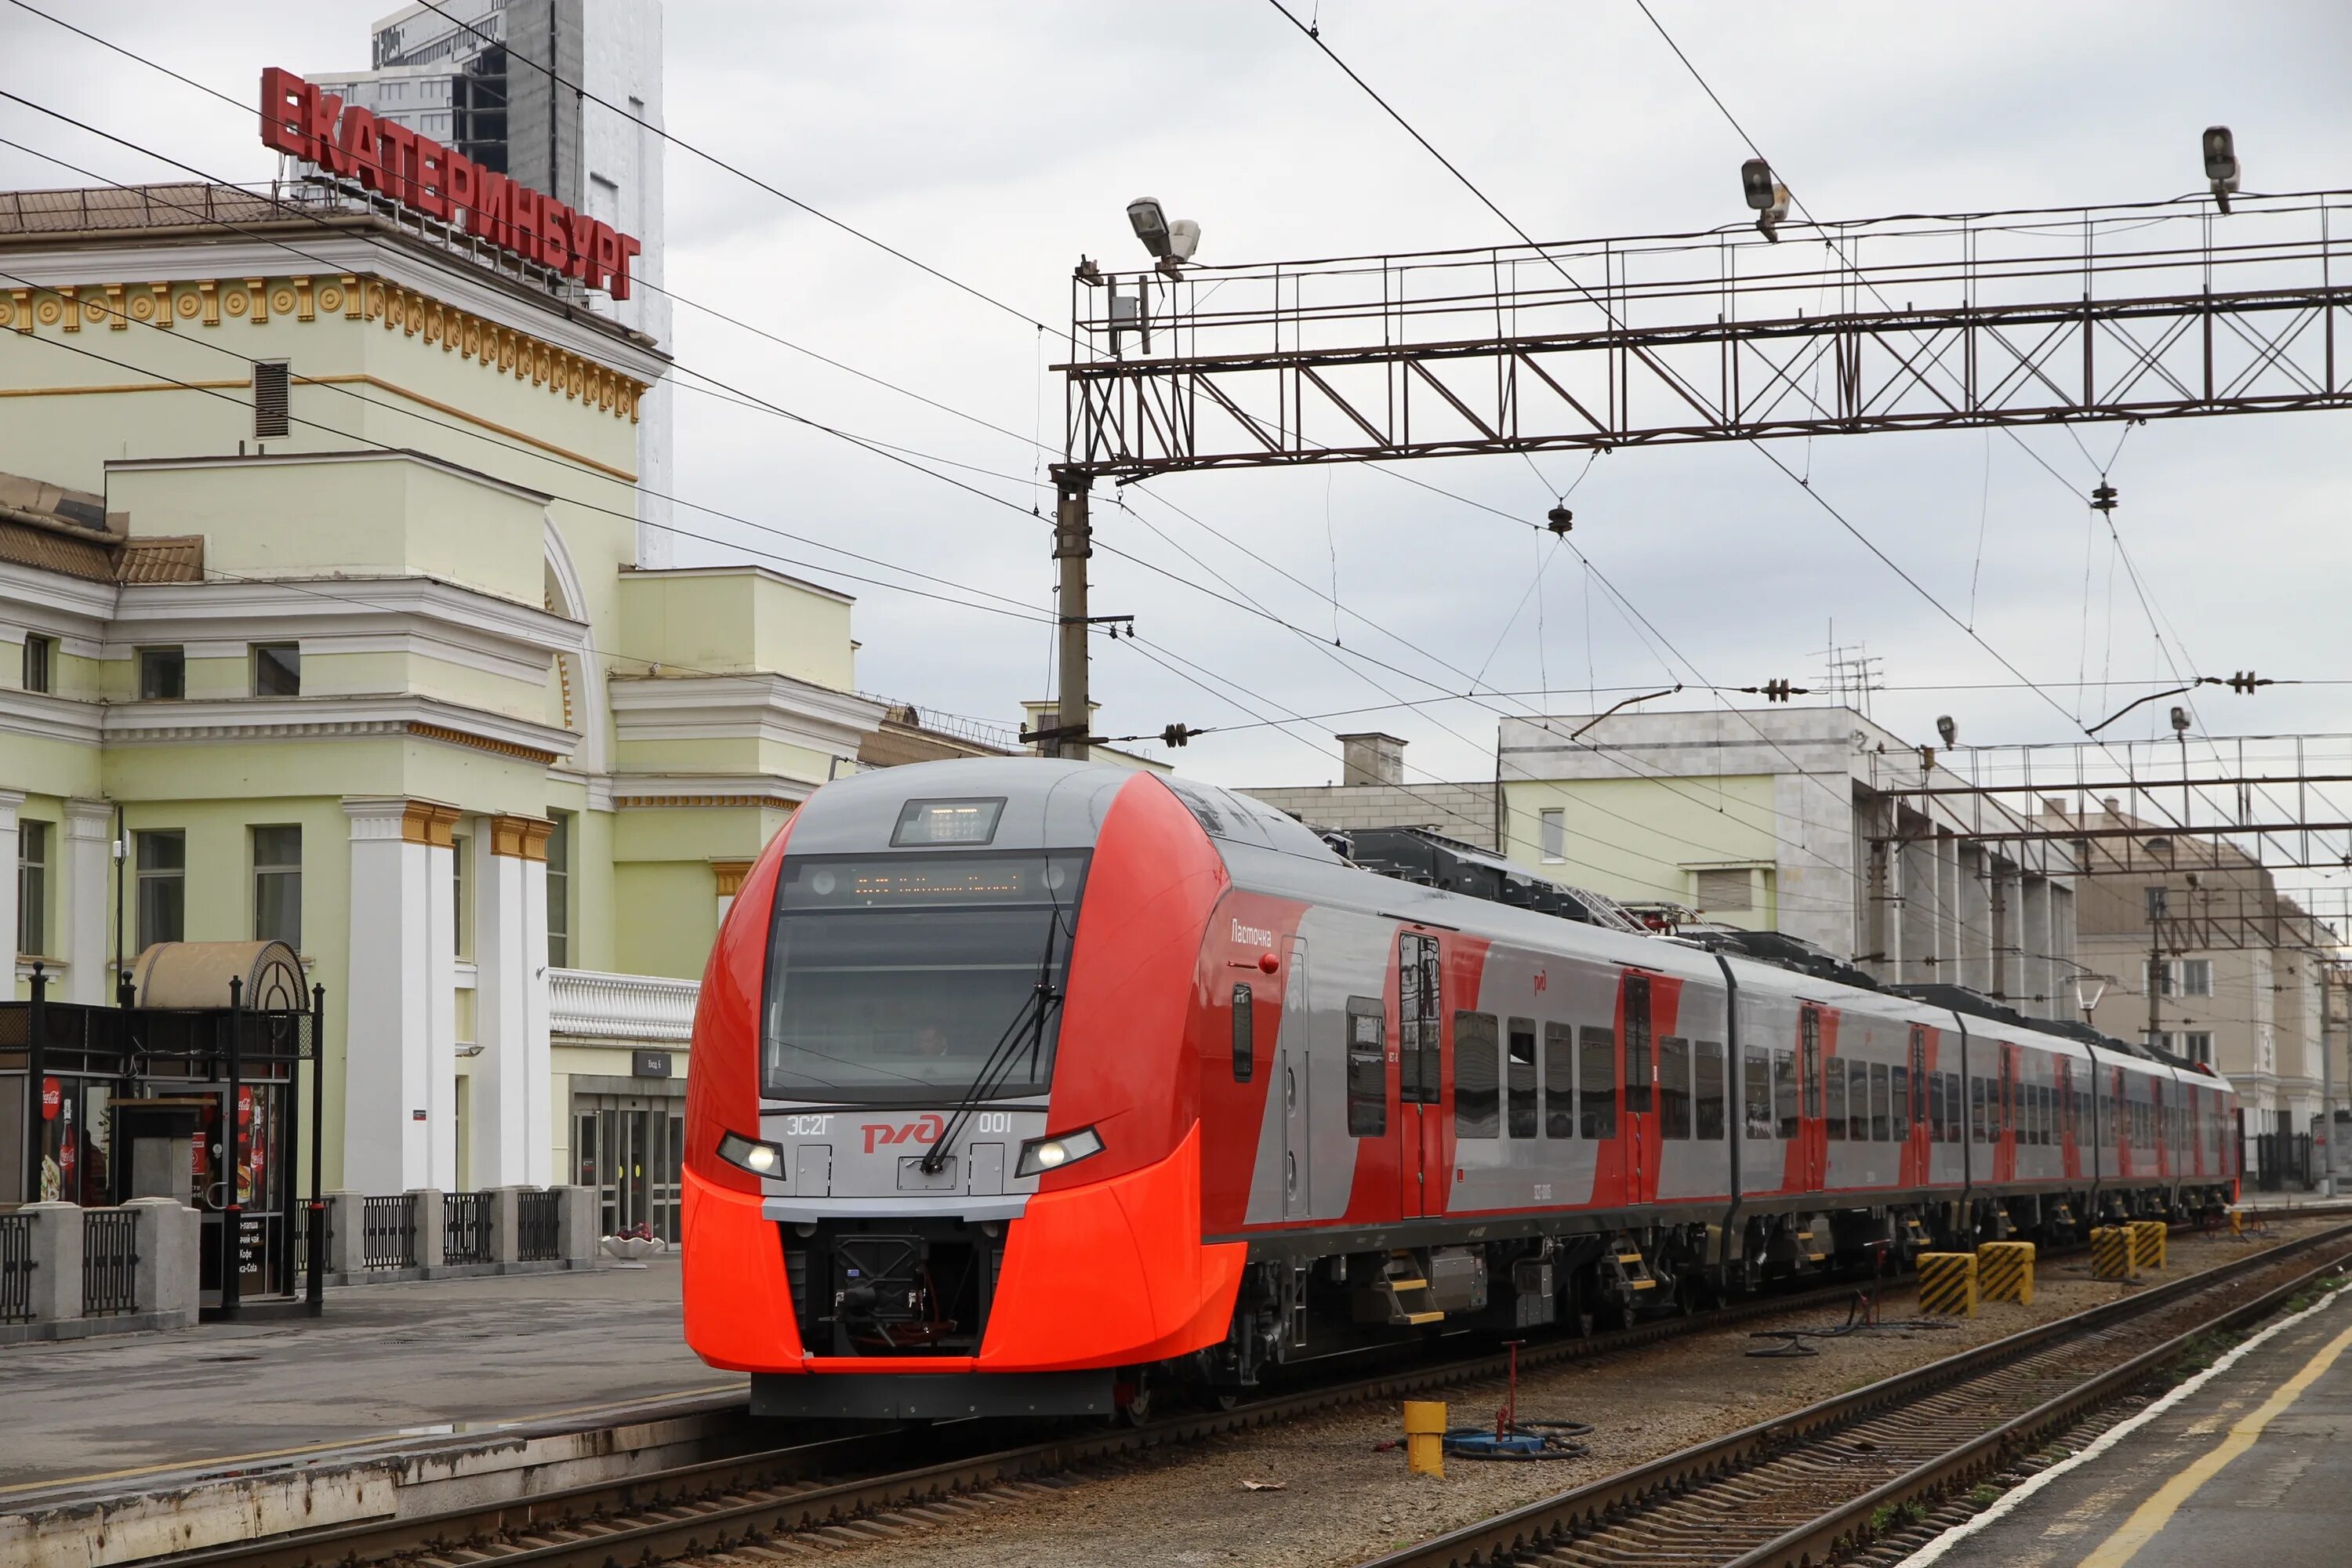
(1040, 1155)
(759, 1158)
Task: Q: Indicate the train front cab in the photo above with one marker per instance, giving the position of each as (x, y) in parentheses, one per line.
(943, 1155)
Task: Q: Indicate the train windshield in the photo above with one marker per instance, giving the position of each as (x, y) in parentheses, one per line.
(901, 979)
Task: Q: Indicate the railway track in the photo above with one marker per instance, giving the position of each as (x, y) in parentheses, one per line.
(1809, 1488)
(690, 1509)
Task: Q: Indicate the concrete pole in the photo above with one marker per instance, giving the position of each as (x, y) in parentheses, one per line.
(1073, 543)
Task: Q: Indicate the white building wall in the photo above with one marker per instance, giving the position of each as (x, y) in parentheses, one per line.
(622, 64)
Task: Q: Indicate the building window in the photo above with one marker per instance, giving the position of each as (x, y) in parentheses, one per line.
(1729, 889)
(270, 415)
(278, 886)
(1555, 835)
(162, 674)
(461, 846)
(162, 888)
(2197, 978)
(559, 891)
(276, 669)
(40, 663)
(32, 886)
(2197, 1047)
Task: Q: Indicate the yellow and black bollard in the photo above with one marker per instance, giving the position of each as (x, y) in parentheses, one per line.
(1948, 1284)
(2147, 1242)
(2005, 1271)
(2112, 1254)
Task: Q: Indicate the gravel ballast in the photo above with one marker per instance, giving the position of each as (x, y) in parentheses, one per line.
(1341, 1500)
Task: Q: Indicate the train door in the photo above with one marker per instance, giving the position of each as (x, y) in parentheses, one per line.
(1811, 1143)
(1298, 1166)
(1420, 1075)
(1912, 1169)
(1636, 1150)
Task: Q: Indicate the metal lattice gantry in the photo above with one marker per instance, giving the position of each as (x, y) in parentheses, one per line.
(2161, 310)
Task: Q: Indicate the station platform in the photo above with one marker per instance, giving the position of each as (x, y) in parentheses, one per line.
(2253, 1465)
(388, 1364)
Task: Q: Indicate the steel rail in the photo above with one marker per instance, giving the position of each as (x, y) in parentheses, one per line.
(1556, 1521)
(602, 1507)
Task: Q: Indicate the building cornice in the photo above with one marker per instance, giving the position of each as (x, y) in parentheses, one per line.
(766, 791)
(282, 719)
(117, 289)
(430, 607)
(40, 716)
(316, 459)
(741, 707)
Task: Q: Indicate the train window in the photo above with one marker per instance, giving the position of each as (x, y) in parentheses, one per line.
(1878, 1102)
(1244, 1036)
(1559, 1080)
(1977, 1134)
(1784, 1092)
(1857, 1101)
(1477, 1079)
(1596, 1080)
(1835, 1098)
(1637, 1045)
(1935, 1083)
(1368, 1070)
(1953, 1117)
(1707, 1065)
(1419, 1009)
(1521, 1072)
(1899, 1103)
(1673, 1088)
(1756, 1095)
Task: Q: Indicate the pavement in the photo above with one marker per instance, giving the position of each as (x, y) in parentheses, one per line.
(2254, 1466)
(384, 1363)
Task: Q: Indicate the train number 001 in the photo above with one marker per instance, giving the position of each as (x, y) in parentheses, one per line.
(992, 1122)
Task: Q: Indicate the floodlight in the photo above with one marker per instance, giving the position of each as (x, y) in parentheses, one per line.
(2179, 719)
(1184, 239)
(1950, 729)
(1768, 196)
(1151, 224)
(2222, 162)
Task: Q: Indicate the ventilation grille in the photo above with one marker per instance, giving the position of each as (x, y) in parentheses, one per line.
(269, 415)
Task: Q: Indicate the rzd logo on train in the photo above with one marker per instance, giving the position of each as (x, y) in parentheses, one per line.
(923, 1129)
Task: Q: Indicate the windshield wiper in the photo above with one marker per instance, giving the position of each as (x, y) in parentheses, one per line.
(1033, 1010)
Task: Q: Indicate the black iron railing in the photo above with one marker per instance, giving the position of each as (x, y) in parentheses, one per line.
(537, 1237)
(465, 1227)
(16, 1267)
(388, 1232)
(109, 1262)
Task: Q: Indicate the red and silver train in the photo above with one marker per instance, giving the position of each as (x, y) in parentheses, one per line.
(1020, 1086)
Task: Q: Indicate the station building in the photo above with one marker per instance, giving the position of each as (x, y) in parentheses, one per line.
(324, 616)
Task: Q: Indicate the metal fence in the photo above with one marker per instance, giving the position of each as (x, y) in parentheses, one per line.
(465, 1227)
(109, 1262)
(537, 1235)
(2283, 1160)
(16, 1267)
(388, 1232)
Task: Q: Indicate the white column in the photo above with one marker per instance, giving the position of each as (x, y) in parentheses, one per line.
(441, 1001)
(10, 799)
(399, 1036)
(89, 864)
(512, 1092)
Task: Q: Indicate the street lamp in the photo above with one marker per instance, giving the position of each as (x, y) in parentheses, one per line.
(1948, 728)
(1173, 242)
(2222, 162)
(1767, 196)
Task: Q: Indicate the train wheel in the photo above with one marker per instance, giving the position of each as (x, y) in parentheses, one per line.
(1132, 1398)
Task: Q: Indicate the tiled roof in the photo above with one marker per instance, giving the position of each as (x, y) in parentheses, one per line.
(30, 546)
(170, 558)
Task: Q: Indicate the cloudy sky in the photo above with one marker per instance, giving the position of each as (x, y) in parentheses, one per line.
(998, 142)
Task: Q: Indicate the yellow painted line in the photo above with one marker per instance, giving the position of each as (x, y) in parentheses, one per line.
(2149, 1518)
(478, 1428)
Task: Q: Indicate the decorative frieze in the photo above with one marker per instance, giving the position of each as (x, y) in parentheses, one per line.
(495, 348)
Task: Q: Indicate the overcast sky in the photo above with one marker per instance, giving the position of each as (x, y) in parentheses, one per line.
(999, 141)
